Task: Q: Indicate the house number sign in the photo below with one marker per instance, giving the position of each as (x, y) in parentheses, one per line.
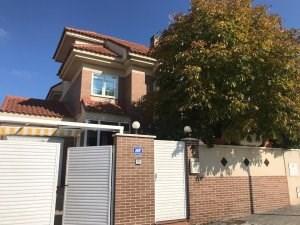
(137, 151)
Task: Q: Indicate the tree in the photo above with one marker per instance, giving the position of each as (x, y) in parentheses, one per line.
(230, 70)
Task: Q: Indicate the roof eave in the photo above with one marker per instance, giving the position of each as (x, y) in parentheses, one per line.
(59, 44)
(74, 34)
(142, 57)
(67, 118)
(87, 55)
(51, 88)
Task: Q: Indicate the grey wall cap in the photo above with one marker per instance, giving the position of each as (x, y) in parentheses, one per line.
(134, 135)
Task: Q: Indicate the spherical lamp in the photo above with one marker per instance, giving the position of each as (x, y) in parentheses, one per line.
(136, 125)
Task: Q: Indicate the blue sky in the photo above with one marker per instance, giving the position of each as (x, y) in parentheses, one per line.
(30, 31)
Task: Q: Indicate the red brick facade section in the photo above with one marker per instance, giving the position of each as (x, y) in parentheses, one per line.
(86, 83)
(134, 184)
(220, 198)
(138, 86)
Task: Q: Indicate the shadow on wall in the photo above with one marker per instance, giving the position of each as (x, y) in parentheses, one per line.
(227, 160)
(238, 160)
(180, 146)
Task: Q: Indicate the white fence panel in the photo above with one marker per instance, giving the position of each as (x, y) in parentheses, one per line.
(28, 180)
(170, 183)
(88, 186)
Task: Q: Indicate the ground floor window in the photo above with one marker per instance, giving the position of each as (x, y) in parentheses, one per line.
(91, 138)
(96, 138)
(91, 135)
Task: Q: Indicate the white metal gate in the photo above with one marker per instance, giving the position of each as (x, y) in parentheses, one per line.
(170, 189)
(28, 179)
(88, 186)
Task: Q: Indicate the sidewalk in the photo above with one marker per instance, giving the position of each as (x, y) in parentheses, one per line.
(286, 216)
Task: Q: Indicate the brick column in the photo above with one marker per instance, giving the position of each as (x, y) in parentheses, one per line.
(134, 184)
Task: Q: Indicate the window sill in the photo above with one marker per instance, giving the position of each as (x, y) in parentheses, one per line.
(104, 96)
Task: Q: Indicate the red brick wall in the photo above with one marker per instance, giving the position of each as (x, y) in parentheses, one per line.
(210, 198)
(270, 193)
(138, 85)
(86, 83)
(134, 184)
(213, 199)
(220, 198)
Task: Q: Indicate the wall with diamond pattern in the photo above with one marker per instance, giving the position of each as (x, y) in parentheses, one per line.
(234, 181)
(240, 161)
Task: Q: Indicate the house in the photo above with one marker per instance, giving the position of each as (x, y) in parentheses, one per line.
(102, 79)
(72, 156)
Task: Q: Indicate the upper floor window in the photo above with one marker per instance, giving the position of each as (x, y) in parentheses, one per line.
(105, 85)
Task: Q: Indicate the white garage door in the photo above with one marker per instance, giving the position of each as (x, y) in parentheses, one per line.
(28, 179)
(170, 190)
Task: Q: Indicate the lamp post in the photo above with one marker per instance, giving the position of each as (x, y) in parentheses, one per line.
(136, 125)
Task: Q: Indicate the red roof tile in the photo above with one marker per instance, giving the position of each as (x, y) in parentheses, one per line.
(36, 107)
(100, 49)
(102, 107)
(132, 46)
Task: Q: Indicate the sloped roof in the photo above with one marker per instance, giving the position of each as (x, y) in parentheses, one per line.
(102, 107)
(100, 49)
(131, 46)
(35, 107)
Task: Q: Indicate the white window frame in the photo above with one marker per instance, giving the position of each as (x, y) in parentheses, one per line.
(116, 84)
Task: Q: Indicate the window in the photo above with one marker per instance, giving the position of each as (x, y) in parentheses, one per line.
(92, 135)
(91, 139)
(109, 123)
(105, 85)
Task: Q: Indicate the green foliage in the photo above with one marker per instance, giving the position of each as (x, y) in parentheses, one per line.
(228, 69)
